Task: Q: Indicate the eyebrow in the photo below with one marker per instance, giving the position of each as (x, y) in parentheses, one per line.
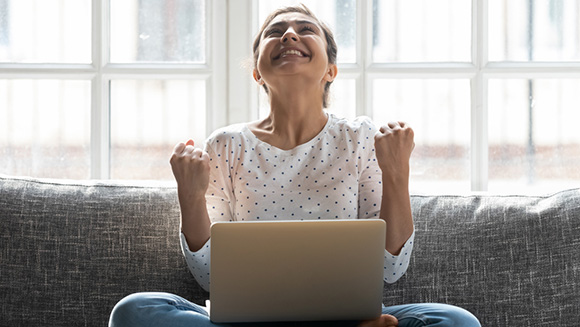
(299, 22)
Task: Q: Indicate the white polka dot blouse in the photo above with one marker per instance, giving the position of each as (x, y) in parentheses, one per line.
(333, 176)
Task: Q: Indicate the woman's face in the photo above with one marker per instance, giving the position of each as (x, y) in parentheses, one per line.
(293, 44)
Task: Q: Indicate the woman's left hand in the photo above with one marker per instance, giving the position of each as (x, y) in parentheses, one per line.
(394, 145)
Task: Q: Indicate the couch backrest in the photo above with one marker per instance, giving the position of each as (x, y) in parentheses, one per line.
(511, 260)
(70, 250)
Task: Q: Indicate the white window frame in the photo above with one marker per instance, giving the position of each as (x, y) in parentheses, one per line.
(232, 95)
(479, 71)
(100, 73)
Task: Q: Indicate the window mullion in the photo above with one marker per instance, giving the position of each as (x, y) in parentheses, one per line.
(216, 104)
(242, 102)
(100, 122)
(364, 57)
(479, 110)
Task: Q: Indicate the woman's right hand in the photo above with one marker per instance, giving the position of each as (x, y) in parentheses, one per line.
(190, 167)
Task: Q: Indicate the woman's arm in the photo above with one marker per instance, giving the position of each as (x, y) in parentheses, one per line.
(191, 170)
(393, 145)
(195, 223)
(396, 211)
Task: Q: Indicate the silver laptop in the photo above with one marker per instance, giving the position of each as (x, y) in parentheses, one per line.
(296, 270)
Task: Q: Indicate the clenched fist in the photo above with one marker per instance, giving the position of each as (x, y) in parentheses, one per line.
(190, 167)
(393, 145)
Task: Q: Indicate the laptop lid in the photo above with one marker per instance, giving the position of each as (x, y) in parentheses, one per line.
(296, 270)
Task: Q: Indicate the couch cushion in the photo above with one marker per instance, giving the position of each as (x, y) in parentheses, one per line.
(511, 260)
(71, 250)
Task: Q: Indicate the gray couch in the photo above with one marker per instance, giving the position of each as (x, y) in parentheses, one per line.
(70, 250)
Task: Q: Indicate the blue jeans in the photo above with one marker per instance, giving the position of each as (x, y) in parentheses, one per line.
(164, 309)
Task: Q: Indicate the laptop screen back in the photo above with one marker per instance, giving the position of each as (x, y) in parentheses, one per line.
(296, 270)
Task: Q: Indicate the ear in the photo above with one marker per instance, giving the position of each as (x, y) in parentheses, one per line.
(331, 73)
(257, 77)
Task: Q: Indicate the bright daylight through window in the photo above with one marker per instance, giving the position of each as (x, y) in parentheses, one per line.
(104, 89)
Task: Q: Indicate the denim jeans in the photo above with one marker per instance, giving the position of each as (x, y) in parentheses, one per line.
(164, 309)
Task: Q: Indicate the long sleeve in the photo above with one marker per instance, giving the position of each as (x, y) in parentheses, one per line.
(396, 266)
(218, 199)
(370, 196)
(198, 262)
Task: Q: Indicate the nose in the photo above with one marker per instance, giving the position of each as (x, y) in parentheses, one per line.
(290, 34)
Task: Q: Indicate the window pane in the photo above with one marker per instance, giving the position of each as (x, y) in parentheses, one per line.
(48, 31)
(421, 30)
(342, 98)
(528, 30)
(148, 118)
(534, 143)
(439, 113)
(45, 128)
(340, 15)
(158, 31)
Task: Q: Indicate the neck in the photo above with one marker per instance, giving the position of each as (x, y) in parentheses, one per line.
(296, 95)
(294, 128)
(293, 120)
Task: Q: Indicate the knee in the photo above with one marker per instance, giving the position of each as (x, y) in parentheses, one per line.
(434, 314)
(460, 317)
(126, 311)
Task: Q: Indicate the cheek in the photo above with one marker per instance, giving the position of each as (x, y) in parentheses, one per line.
(261, 65)
(321, 51)
(264, 52)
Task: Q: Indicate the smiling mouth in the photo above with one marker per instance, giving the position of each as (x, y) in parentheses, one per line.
(291, 52)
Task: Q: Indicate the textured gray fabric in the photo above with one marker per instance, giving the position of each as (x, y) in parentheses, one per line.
(70, 250)
(511, 260)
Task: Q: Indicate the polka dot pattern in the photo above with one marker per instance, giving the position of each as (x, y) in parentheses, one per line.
(333, 176)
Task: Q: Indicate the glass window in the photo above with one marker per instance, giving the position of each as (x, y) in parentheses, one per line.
(534, 142)
(438, 110)
(148, 118)
(48, 31)
(527, 30)
(45, 128)
(46, 110)
(4, 23)
(342, 98)
(340, 15)
(158, 31)
(421, 31)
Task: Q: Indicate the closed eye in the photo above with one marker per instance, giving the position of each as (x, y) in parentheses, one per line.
(307, 28)
(274, 32)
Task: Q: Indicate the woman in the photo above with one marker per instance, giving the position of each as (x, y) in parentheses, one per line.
(299, 161)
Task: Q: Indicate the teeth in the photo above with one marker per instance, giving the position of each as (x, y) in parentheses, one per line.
(291, 52)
